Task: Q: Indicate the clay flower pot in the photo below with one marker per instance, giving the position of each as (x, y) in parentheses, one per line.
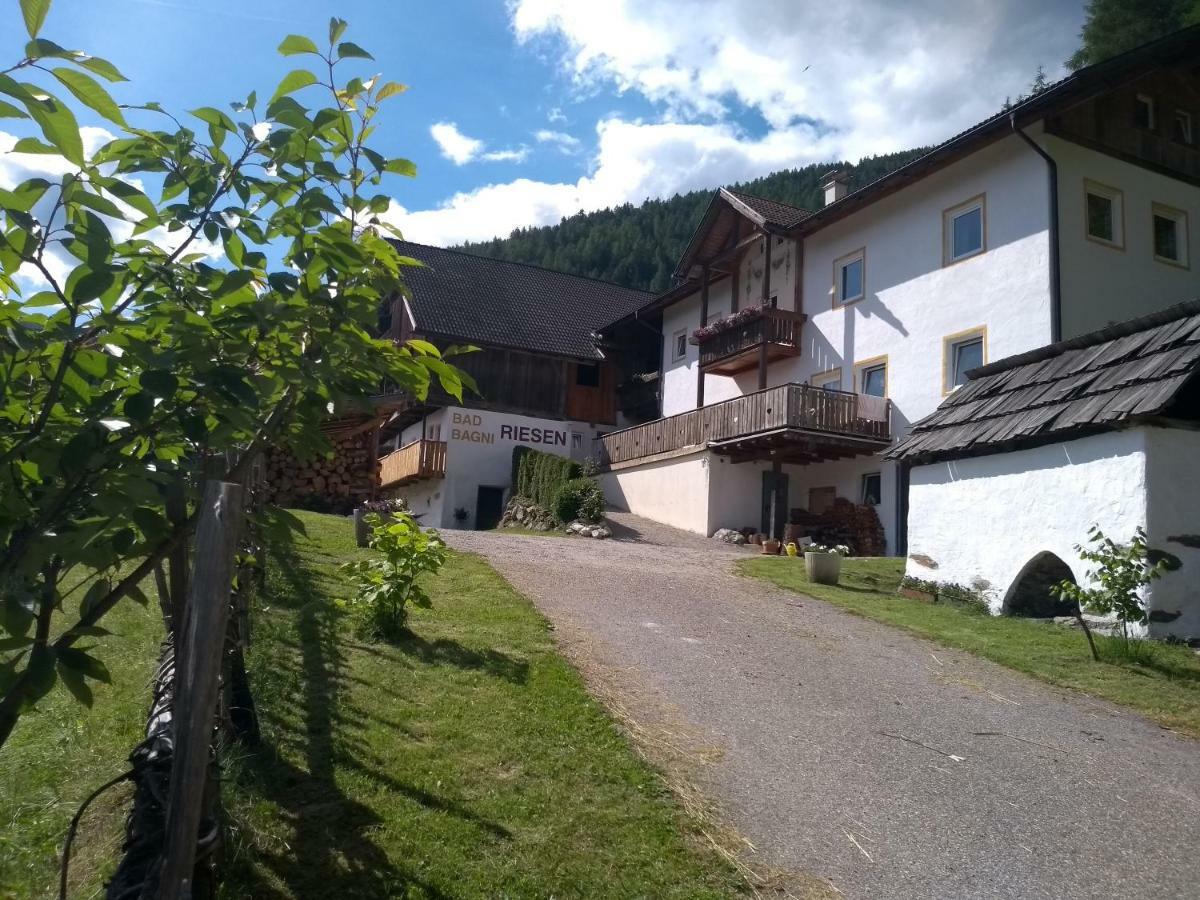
(771, 546)
(823, 568)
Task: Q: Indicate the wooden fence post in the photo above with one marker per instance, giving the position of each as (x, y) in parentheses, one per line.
(202, 632)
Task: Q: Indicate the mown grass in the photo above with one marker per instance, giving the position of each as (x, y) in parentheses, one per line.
(466, 761)
(1161, 681)
(61, 751)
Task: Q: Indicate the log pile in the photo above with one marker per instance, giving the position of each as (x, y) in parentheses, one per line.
(855, 525)
(336, 483)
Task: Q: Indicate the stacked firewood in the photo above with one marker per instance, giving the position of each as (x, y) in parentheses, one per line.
(334, 483)
(856, 526)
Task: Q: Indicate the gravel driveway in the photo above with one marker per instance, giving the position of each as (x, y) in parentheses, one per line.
(888, 765)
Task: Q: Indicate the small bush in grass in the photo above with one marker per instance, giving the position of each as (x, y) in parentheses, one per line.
(579, 498)
(385, 585)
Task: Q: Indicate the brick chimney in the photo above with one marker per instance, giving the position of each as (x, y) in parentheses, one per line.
(836, 185)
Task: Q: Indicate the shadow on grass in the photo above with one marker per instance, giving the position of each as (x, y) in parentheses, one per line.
(444, 651)
(331, 851)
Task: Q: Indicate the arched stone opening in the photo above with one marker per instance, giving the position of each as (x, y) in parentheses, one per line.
(1030, 595)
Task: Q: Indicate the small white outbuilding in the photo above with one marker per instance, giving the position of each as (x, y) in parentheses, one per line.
(1008, 475)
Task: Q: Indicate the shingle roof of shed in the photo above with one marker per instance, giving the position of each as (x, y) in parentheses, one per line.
(1096, 382)
(477, 299)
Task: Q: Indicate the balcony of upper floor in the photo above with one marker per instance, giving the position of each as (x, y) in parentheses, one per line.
(752, 337)
(413, 462)
(792, 423)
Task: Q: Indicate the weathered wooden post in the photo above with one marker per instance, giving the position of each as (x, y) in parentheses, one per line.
(202, 632)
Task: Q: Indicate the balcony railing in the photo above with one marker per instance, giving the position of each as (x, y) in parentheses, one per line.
(735, 349)
(413, 462)
(859, 422)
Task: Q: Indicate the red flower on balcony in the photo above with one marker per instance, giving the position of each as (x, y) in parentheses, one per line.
(741, 317)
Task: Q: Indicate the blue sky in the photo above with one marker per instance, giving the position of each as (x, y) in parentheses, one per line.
(523, 111)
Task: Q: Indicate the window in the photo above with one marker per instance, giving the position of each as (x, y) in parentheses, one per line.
(1105, 214)
(576, 440)
(1143, 112)
(961, 353)
(872, 377)
(587, 375)
(1170, 235)
(679, 345)
(965, 230)
(849, 278)
(872, 489)
(830, 381)
(774, 301)
(1181, 127)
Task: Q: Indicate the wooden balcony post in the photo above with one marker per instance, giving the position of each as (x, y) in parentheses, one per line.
(762, 365)
(766, 282)
(703, 322)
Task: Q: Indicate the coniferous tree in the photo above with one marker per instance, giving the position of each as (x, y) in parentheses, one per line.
(1114, 26)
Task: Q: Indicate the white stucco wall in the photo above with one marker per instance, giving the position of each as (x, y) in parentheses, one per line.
(1103, 284)
(1173, 523)
(674, 492)
(980, 520)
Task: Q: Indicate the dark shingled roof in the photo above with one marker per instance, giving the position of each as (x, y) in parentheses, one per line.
(774, 214)
(475, 299)
(1096, 382)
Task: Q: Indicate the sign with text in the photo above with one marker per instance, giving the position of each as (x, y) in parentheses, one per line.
(475, 428)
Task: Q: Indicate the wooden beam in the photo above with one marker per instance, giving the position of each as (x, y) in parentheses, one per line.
(766, 281)
(703, 322)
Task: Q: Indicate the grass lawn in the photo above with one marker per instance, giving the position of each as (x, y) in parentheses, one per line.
(1162, 681)
(61, 751)
(467, 761)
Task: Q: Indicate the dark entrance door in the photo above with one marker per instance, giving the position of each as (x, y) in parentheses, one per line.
(774, 503)
(489, 507)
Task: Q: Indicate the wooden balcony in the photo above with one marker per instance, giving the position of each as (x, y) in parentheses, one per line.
(413, 462)
(775, 332)
(794, 423)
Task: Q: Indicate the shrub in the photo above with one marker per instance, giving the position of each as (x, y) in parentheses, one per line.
(579, 498)
(386, 585)
(539, 476)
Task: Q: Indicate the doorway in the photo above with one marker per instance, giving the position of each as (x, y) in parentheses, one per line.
(774, 503)
(489, 507)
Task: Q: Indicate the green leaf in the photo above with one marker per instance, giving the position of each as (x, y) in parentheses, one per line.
(97, 592)
(127, 193)
(59, 127)
(139, 406)
(348, 50)
(89, 92)
(34, 13)
(75, 682)
(40, 673)
(297, 43)
(292, 82)
(18, 642)
(78, 660)
(337, 28)
(8, 111)
(214, 117)
(159, 382)
(101, 67)
(401, 167)
(40, 48)
(391, 89)
(33, 145)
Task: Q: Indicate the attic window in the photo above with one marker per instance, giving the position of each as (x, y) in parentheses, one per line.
(1181, 127)
(1105, 216)
(1143, 112)
(587, 375)
(1170, 235)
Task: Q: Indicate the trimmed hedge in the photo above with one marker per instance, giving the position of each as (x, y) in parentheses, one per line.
(557, 484)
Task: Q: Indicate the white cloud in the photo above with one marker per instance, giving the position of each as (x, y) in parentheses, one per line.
(835, 82)
(565, 142)
(461, 149)
(556, 115)
(455, 146)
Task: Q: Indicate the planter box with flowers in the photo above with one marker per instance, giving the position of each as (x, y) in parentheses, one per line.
(730, 322)
(824, 564)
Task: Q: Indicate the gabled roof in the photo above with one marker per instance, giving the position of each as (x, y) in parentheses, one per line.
(1101, 381)
(721, 220)
(1075, 88)
(463, 298)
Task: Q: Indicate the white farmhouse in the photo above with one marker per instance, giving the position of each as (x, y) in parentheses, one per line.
(799, 345)
(1015, 467)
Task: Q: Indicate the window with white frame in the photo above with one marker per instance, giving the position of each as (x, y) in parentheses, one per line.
(960, 354)
(1105, 214)
(872, 489)
(679, 345)
(872, 378)
(849, 278)
(830, 381)
(1181, 127)
(1170, 235)
(965, 230)
(1143, 112)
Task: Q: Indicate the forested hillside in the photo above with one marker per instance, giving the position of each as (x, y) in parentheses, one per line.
(638, 246)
